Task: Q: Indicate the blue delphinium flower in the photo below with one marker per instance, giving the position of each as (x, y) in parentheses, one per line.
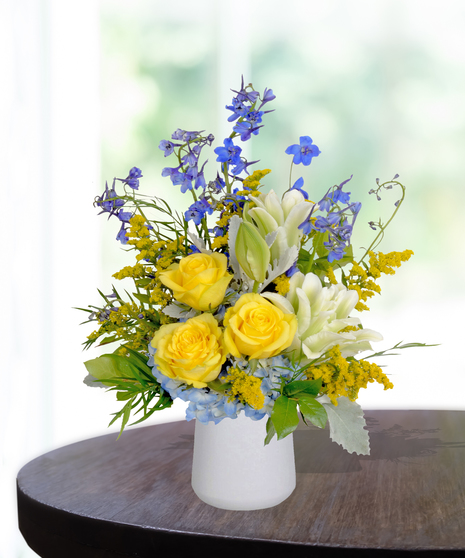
(268, 96)
(336, 222)
(230, 153)
(109, 201)
(298, 185)
(121, 236)
(124, 216)
(132, 180)
(167, 146)
(198, 210)
(304, 152)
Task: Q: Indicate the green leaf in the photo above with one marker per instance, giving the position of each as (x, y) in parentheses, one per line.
(318, 244)
(143, 282)
(126, 415)
(312, 410)
(123, 396)
(305, 261)
(108, 340)
(307, 386)
(107, 367)
(142, 297)
(217, 385)
(138, 360)
(270, 431)
(347, 258)
(284, 416)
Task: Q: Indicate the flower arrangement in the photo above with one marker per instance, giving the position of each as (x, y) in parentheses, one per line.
(243, 304)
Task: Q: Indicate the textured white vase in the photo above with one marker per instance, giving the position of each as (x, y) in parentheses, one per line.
(233, 470)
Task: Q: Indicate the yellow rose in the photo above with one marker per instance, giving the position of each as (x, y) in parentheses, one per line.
(258, 329)
(192, 351)
(198, 280)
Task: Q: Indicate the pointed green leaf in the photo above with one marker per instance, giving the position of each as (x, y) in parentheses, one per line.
(111, 366)
(217, 385)
(142, 297)
(284, 416)
(270, 431)
(312, 410)
(307, 386)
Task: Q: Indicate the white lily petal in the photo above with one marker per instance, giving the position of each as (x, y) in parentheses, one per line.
(347, 303)
(304, 313)
(280, 245)
(265, 222)
(279, 301)
(337, 325)
(274, 208)
(311, 285)
(368, 335)
(296, 281)
(351, 349)
(290, 199)
(296, 217)
(322, 341)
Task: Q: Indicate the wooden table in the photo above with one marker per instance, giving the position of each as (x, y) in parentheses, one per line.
(103, 498)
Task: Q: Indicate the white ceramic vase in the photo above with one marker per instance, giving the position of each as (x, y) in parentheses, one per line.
(233, 470)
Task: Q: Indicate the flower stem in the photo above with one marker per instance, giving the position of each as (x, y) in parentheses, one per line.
(384, 227)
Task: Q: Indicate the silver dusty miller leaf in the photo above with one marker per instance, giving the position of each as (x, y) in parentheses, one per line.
(346, 424)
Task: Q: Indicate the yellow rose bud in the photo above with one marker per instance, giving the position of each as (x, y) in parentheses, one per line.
(257, 328)
(198, 280)
(192, 351)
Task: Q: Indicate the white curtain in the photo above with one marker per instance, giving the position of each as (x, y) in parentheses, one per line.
(49, 151)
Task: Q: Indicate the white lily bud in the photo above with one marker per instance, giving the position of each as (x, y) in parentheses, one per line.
(252, 252)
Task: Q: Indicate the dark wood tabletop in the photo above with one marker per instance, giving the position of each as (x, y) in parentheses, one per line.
(132, 497)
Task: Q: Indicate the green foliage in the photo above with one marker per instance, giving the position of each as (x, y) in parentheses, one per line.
(312, 410)
(132, 379)
(217, 385)
(270, 431)
(284, 416)
(311, 387)
(305, 261)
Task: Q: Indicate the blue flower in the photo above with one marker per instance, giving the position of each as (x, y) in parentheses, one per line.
(293, 269)
(167, 147)
(121, 236)
(230, 153)
(197, 211)
(298, 184)
(124, 216)
(193, 249)
(268, 96)
(171, 172)
(304, 152)
(217, 185)
(109, 201)
(132, 180)
(178, 134)
(135, 173)
(254, 116)
(238, 108)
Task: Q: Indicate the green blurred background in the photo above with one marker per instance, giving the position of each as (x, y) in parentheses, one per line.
(379, 86)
